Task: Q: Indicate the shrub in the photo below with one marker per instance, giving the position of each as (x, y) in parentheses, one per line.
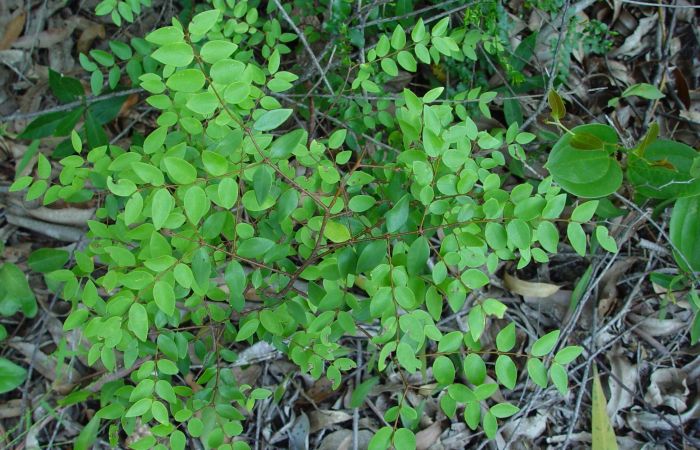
(234, 221)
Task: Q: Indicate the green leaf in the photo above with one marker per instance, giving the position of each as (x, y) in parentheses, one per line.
(568, 354)
(558, 375)
(584, 212)
(177, 54)
(255, 247)
(165, 35)
(503, 410)
(188, 81)
(605, 240)
(139, 408)
(545, 344)
(389, 66)
(15, 293)
(418, 254)
(283, 146)
(556, 104)
(75, 319)
(588, 173)
(228, 193)
(196, 204)
(213, 51)
(577, 237)
(643, 90)
(505, 339)
(397, 216)
(371, 256)
(407, 357)
(506, 372)
(474, 368)
(361, 391)
(271, 322)
(138, 321)
(204, 21)
(180, 171)
(162, 205)
(490, 425)
(88, 434)
(270, 120)
(262, 182)
(475, 278)
(164, 296)
(361, 203)
(247, 330)
(47, 259)
(11, 375)
(237, 92)
(685, 233)
(204, 103)
(548, 236)
(381, 439)
(337, 138)
(537, 372)
(407, 61)
(664, 170)
(336, 232)
(477, 322)
(398, 38)
(519, 233)
(404, 438)
(444, 370)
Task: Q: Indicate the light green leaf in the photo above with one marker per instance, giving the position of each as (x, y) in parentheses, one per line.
(503, 410)
(558, 375)
(177, 54)
(179, 170)
(643, 90)
(161, 206)
(188, 81)
(577, 237)
(584, 212)
(203, 22)
(506, 372)
(336, 232)
(164, 297)
(270, 120)
(196, 204)
(381, 439)
(545, 344)
(216, 50)
(404, 438)
(568, 354)
(138, 321)
(443, 370)
(537, 372)
(505, 339)
(11, 375)
(475, 368)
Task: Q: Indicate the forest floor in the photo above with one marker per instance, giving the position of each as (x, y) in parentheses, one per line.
(635, 330)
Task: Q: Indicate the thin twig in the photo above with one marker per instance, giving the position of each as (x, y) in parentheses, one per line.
(69, 106)
(302, 38)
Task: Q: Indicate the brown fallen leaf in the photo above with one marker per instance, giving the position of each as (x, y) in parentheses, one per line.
(89, 34)
(324, 418)
(13, 29)
(63, 376)
(529, 288)
(428, 436)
